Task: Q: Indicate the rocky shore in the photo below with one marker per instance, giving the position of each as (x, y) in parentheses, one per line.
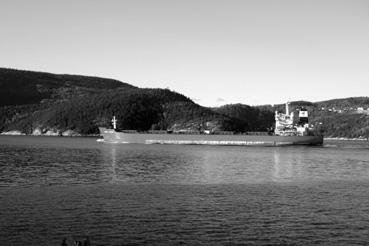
(46, 132)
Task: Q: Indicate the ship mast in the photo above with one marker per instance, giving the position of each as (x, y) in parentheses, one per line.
(114, 121)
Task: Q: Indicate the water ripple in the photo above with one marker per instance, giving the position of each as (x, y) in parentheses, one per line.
(53, 188)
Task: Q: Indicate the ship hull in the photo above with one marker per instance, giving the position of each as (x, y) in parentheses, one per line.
(112, 136)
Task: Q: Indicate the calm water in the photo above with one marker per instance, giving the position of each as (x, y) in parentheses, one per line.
(51, 188)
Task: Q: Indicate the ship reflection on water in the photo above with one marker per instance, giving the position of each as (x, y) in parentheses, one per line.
(287, 166)
(114, 163)
(165, 164)
(169, 164)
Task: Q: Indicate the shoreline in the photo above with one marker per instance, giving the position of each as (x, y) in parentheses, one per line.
(46, 135)
(344, 139)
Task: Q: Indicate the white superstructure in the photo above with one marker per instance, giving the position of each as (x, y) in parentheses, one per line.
(284, 123)
(114, 122)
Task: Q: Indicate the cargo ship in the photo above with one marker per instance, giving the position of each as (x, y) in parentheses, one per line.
(285, 133)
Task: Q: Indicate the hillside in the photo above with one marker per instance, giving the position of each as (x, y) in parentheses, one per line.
(44, 103)
(248, 118)
(345, 117)
(59, 104)
(20, 87)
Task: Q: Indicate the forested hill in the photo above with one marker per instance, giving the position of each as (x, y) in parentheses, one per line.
(52, 104)
(248, 118)
(345, 117)
(18, 87)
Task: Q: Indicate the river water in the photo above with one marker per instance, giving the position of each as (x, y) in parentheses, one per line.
(53, 188)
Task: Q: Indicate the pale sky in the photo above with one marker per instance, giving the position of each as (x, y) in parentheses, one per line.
(213, 51)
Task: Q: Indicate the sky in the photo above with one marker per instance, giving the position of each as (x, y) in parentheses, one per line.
(215, 52)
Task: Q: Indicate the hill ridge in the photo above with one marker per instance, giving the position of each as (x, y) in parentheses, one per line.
(46, 103)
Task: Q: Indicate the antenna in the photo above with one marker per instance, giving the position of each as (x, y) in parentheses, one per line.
(287, 109)
(114, 121)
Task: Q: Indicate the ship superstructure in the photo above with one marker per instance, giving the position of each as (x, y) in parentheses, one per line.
(285, 126)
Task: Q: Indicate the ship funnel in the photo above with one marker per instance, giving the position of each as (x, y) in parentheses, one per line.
(303, 113)
(303, 116)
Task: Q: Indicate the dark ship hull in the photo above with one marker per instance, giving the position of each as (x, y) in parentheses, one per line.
(112, 136)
